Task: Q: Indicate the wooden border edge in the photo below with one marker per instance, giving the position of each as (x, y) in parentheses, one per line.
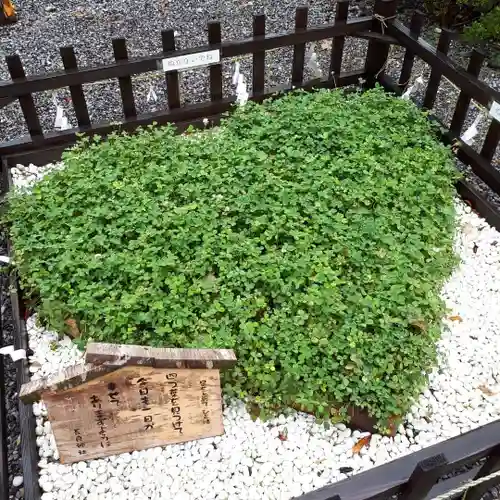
(65, 379)
(158, 357)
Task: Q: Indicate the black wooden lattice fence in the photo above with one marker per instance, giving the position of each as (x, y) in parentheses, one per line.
(414, 476)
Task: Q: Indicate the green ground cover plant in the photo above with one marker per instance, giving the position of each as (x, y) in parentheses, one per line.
(311, 234)
(479, 19)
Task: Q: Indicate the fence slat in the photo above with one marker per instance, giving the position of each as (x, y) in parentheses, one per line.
(491, 465)
(417, 21)
(299, 50)
(479, 91)
(77, 96)
(423, 478)
(58, 79)
(214, 38)
(464, 99)
(172, 77)
(378, 52)
(481, 166)
(125, 82)
(16, 71)
(491, 141)
(259, 57)
(385, 480)
(338, 42)
(5, 101)
(189, 114)
(29, 451)
(4, 470)
(436, 73)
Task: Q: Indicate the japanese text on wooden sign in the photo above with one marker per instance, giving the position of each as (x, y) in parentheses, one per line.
(190, 61)
(133, 408)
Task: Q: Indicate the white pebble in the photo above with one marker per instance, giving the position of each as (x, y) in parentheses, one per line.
(220, 467)
(17, 481)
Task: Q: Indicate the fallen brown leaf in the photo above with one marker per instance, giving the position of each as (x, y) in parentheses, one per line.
(365, 441)
(456, 318)
(73, 328)
(419, 324)
(8, 9)
(486, 390)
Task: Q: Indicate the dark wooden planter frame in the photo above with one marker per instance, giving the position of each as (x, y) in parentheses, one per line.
(416, 476)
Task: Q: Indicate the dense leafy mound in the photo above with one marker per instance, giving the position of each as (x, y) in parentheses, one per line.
(311, 234)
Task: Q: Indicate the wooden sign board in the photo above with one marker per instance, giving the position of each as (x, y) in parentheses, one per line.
(122, 407)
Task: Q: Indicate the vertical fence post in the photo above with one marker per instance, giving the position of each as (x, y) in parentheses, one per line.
(491, 141)
(436, 73)
(423, 478)
(378, 52)
(77, 96)
(299, 50)
(259, 57)
(4, 471)
(26, 102)
(491, 465)
(464, 99)
(417, 21)
(125, 82)
(214, 38)
(338, 42)
(29, 451)
(172, 77)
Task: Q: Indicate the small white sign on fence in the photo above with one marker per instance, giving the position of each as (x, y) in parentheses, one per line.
(495, 111)
(190, 61)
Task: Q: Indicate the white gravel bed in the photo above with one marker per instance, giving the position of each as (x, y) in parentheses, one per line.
(24, 176)
(292, 454)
